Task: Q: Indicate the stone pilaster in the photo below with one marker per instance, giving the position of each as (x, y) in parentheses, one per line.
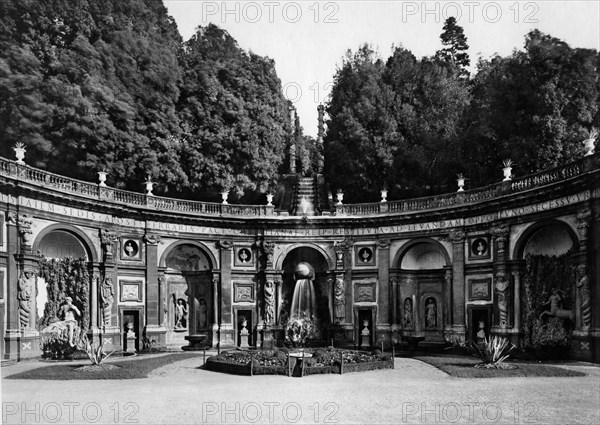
(457, 237)
(227, 329)
(384, 301)
(154, 329)
(110, 329)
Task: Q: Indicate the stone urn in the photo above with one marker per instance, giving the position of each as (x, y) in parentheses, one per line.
(224, 196)
(507, 170)
(340, 197)
(102, 178)
(384, 194)
(461, 183)
(149, 186)
(20, 153)
(589, 146)
(269, 199)
(481, 331)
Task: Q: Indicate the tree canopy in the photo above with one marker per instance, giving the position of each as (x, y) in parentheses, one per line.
(411, 125)
(109, 84)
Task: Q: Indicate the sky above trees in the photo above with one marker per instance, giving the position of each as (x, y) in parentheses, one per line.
(307, 53)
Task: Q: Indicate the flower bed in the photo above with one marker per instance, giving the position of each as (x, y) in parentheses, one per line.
(279, 362)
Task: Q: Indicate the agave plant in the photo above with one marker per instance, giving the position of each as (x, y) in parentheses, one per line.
(593, 133)
(507, 162)
(495, 351)
(95, 352)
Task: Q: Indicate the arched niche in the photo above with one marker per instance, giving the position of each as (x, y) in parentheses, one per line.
(308, 250)
(316, 261)
(552, 238)
(547, 272)
(188, 269)
(422, 265)
(60, 241)
(187, 256)
(423, 255)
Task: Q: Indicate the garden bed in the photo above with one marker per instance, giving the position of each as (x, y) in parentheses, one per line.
(136, 368)
(463, 367)
(281, 362)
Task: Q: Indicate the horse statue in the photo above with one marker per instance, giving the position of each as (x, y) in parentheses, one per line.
(555, 302)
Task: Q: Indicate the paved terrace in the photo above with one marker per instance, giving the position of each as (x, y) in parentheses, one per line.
(414, 392)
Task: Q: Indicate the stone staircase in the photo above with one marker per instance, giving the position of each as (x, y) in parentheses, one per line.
(305, 189)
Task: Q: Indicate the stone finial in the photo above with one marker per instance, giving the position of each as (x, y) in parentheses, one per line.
(149, 186)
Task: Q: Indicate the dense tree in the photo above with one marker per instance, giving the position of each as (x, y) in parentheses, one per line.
(89, 85)
(97, 84)
(234, 116)
(532, 106)
(455, 51)
(362, 133)
(393, 125)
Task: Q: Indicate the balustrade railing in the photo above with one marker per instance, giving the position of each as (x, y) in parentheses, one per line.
(63, 184)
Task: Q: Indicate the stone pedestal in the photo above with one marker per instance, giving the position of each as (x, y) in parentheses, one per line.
(244, 336)
(227, 336)
(156, 335)
(365, 336)
(267, 337)
(111, 336)
(585, 345)
(130, 343)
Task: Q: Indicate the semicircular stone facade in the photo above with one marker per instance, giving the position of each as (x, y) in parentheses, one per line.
(448, 268)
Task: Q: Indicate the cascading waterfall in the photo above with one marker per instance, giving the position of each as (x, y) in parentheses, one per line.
(304, 300)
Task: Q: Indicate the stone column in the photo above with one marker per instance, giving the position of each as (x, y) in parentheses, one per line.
(447, 319)
(279, 300)
(458, 283)
(215, 309)
(517, 303)
(94, 302)
(12, 303)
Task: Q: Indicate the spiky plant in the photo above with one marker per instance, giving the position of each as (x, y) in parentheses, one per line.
(495, 351)
(95, 352)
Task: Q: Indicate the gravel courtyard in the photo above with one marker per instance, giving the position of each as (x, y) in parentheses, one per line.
(414, 392)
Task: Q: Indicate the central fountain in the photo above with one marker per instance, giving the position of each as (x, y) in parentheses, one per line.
(303, 323)
(304, 299)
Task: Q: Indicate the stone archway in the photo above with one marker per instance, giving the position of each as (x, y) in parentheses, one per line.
(321, 276)
(423, 295)
(65, 270)
(548, 256)
(189, 295)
